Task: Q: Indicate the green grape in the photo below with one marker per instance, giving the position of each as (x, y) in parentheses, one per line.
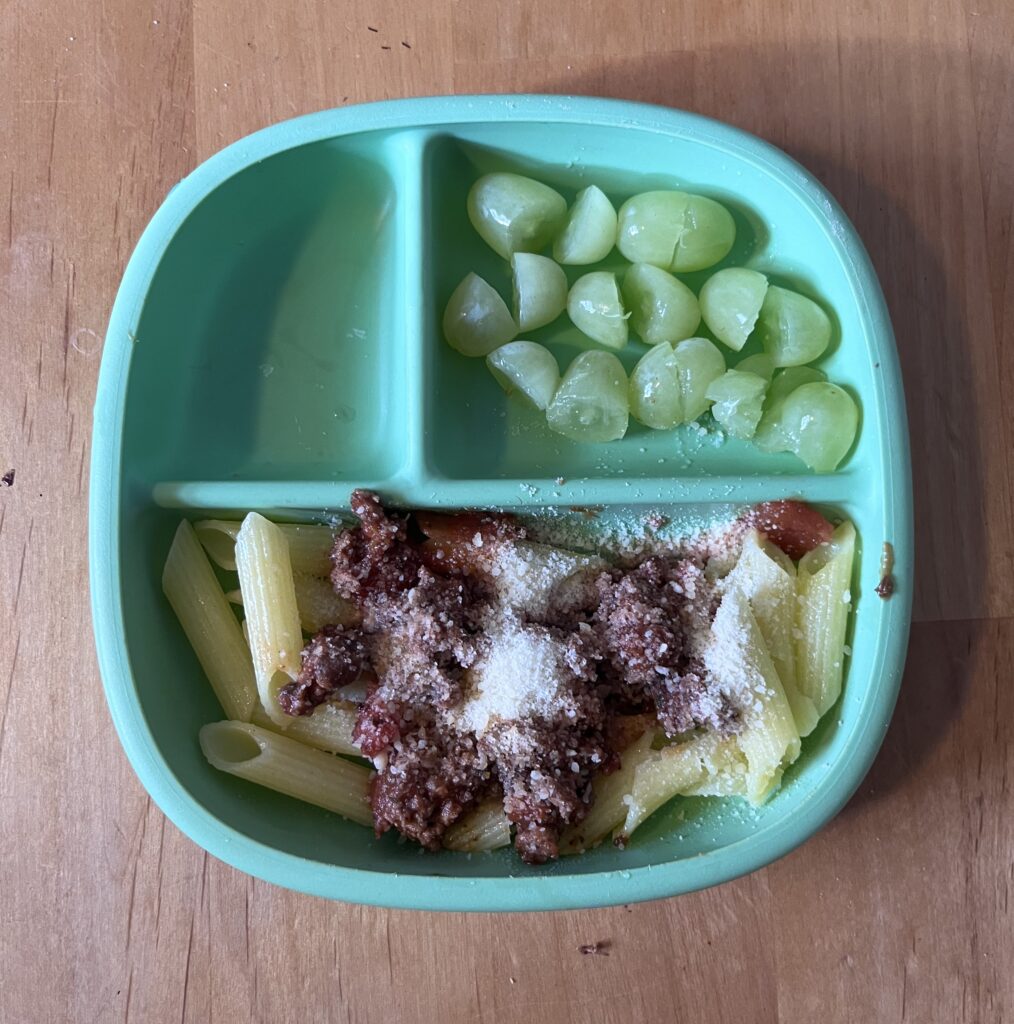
(656, 399)
(649, 227)
(476, 319)
(770, 435)
(820, 421)
(731, 302)
(591, 403)
(707, 236)
(793, 329)
(674, 230)
(738, 399)
(589, 233)
(761, 364)
(669, 384)
(526, 368)
(540, 290)
(661, 308)
(515, 214)
(699, 363)
(595, 307)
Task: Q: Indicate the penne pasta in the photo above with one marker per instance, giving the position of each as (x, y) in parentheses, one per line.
(269, 601)
(672, 771)
(328, 728)
(738, 654)
(193, 590)
(309, 544)
(766, 577)
(317, 603)
(289, 767)
(486, 827)
(825, 578)
(611, 795)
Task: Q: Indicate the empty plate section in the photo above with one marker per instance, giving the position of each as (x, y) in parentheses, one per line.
(271, 342)
(472, 430)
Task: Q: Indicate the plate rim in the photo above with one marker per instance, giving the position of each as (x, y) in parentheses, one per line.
(524, 891)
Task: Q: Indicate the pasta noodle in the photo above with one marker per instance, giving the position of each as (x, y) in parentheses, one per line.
(825, 576)
(289, 767)
(485, 828)
(316, 601)
(328, 728)
(269, 600)
(611, 796)
(309, 544)
(670, 772)
(766, 577)
(769, 738)
(190, 584)
(775, 647)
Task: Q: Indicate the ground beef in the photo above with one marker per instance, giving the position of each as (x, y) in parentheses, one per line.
(546, 770)
(425, 600)
(376, 558)
(429, 777)
(643, 619)
(332, 659)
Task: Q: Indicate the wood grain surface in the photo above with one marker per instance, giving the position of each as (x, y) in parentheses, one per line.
(900, 909)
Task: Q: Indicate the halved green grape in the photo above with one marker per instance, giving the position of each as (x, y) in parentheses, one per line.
(649, 226)
(589, 233)
(770, 435)
(476, 319)
(820, 421)
(656, 399)
(731, 301)
(707, 237)
(595, 307)
(738, 398)
(699, 363)
(540, 290)
(669, 384)
(661, 308)
(591, 403)
(793, 329)
(762, 364)
(513, 213)
(526, 368)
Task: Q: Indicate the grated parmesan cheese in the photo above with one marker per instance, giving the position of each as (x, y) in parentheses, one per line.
(521, 675)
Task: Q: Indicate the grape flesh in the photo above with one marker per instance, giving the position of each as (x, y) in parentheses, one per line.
(656, 399)
(595, 307)
(513, 213)
(699, 363)
(669, 384)
(589, 233)
(771, 435)
(540, 290)
(738, 399)
(662, 308)
(820, 422)
(731, 301)
(591, 403)
(527, 369)
(707, 237)
(793, 329)
(674, 230)
(476, 319)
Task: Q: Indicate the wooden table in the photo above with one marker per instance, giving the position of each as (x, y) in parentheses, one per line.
(899, 910)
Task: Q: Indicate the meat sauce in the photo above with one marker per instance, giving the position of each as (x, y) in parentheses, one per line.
(424, 589)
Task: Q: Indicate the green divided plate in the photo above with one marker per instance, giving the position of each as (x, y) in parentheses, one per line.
(276, 342)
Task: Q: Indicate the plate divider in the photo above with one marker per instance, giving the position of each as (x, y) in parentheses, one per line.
(311, 498)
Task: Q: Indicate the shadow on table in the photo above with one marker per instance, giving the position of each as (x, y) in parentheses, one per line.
(907, 176)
